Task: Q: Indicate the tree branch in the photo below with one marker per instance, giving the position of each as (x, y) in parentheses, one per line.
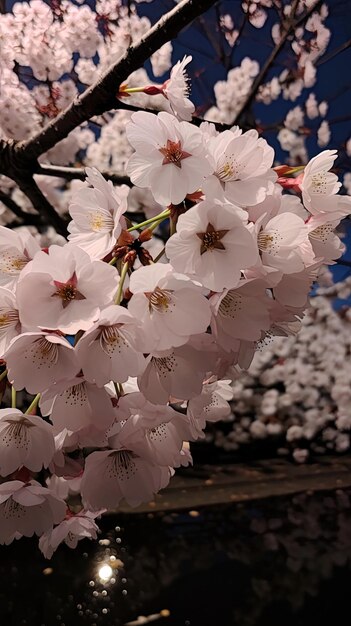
(101, 96)
(327, 57)
(73, 173)
(290, 26)
(42, 205)
(26, 218)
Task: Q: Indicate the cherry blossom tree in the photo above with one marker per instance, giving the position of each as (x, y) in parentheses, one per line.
(127, 314)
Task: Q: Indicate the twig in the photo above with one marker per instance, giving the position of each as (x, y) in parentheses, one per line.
(327, 57)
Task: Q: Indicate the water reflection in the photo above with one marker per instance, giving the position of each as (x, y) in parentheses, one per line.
(265, 563)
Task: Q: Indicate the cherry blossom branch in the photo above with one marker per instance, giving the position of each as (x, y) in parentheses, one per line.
(333, 53)
(42, 204)
(101, 96)
(289, 27)
(27, 218)
(71, 173)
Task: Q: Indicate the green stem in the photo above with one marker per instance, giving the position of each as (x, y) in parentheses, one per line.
(13, 397)
(33, 405)
(3, 375)
(293, 170)
(132, 90)
(157, 218)
(119, 294)
(113, 261)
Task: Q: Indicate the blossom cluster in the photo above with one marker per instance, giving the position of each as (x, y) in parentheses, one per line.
(130, 352)
(50, 52)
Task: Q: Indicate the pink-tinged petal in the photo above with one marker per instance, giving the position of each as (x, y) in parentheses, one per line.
(38, 360)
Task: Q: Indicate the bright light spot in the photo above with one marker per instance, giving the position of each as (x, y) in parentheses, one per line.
(105, 573)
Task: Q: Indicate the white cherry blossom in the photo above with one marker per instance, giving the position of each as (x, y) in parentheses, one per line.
(165, 302)
(115, 475)
(212, 244)
(70, 288)
(170, 156)
(319, 186)
(176, 90)
(24, 440)
(111, 348)
(242, 167)
(77, 404)
(27, 509)
(71, 530)
(10, 325)
(16, 250)
(38, 360)
(97, 209)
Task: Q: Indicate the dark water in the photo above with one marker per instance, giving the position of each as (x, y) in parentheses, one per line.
(278, 562)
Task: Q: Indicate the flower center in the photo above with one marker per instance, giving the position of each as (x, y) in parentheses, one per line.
(319, 183)
(111, 340)
(99, 221)
(16, 433)
(269, 242)
(122, 465)
(160, 300)
(11, 264)
(76, 395)
(68, 291)
(211, 239)
(8, 317)
(48, 350)
(228, 170)
(173, 153)
(13, 510)
(322, 233)
(165, 364)
(231, 304)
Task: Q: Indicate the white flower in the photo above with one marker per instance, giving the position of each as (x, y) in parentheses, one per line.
(176, 90)
(319, 186)
(70, 531)
(24, 440)
(165, 302)
(27, 508)
(280, 242)
(10, 325)
(212, 244)
(69, 289)
(16, 250)
(97, 210)
(170, 156)
(242, 164)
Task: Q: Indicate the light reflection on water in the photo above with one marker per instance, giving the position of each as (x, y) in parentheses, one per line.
(274, 562)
